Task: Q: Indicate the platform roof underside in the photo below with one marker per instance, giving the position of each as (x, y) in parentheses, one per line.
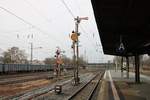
(123, 19)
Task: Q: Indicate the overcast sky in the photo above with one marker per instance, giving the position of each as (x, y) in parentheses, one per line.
(49, 22)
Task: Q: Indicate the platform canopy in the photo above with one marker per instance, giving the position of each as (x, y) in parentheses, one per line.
(126, 22)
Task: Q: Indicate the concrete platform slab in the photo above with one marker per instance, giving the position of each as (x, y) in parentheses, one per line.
(126, 89)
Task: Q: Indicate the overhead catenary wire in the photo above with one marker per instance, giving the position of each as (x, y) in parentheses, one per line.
(97, 47)
(17, 16)
(15, 31)
(92, 43)
(78, 7)
(69, 10)
(71, 13)
(73, 17)
(37, 11)
(18, 30)
(30, 24)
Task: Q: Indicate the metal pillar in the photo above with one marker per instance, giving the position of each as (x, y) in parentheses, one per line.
(77, 21)
(76, 31)
(137, 67)
(74, 61)
(116, 63)
(31, 53)
(127, 69)
(121, 66)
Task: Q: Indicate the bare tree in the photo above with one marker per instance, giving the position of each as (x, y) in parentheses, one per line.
(14, 55)
(49, 60)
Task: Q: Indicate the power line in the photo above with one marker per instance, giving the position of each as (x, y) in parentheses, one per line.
(77, 6)
(40, 14)
(94, 44)
(17, 17)
(69, 10)
(88, 37)
(14, 31)
(26, 22)
(37, 11)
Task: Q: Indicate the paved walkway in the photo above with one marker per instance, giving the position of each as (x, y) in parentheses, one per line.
(117, 87)
(117, 75)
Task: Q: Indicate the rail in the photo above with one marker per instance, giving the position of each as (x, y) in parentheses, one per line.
(88, 96)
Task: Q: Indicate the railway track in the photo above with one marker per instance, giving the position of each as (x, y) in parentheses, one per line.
(25, 95)
(20, 78)
(87, 91)
(33, 94)
(25, 78)
(6, 76)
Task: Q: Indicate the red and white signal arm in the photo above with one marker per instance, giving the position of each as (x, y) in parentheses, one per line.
(59, 61)
(83, 18)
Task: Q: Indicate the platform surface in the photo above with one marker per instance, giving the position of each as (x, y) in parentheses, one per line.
(116, 86)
